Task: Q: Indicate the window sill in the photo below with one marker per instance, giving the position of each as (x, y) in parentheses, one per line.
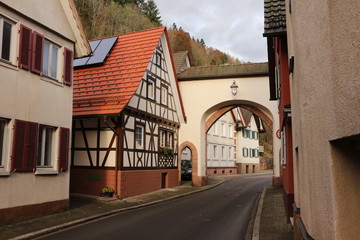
(8, 64)
(51, 80)
(4, 174)
(46, 172)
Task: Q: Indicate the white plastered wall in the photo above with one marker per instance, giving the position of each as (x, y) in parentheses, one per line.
(30, 97)
(203, 97)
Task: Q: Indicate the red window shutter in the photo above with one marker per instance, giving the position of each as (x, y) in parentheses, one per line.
(37, 52)
(24, 151)
(64, 149)
(25, 47)
(68, 66)
(18, 146)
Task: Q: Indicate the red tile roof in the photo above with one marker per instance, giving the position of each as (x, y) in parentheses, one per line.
(107, 89)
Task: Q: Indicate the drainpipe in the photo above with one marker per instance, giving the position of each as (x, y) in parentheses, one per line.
(117, 150)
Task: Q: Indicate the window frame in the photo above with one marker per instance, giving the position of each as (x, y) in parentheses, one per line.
(4, 20)
(245, 152)
(214, 152)
(50, 59)
(166, 138)
(158, 59)
(162, 138)
(248, 133)
(164, 95)
(223, 129)
(231, 131)
(230, 153)
(3, 134)
(142, 145)
(46, 159)
(151, 82)
(170, 139)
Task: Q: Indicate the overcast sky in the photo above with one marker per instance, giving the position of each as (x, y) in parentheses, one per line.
(232, 26)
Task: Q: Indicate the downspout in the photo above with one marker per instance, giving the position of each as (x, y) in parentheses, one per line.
(117, 150)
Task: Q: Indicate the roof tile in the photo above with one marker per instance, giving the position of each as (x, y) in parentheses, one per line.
(224, 71)
(274, 17)
(107, 89)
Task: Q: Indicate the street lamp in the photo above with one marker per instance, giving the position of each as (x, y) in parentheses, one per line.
(234, 88)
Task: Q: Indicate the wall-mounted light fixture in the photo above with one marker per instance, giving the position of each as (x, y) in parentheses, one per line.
(234, 88)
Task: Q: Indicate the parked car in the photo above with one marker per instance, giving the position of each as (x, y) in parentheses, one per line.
(186, 170)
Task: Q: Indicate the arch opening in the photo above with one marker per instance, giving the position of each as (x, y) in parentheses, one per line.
(236, 145)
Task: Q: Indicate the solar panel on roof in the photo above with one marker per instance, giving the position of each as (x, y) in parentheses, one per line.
(100, 49)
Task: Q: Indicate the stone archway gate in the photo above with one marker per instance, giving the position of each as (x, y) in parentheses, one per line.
(206, 95)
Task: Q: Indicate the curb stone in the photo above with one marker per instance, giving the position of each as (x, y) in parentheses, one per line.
(256, 231)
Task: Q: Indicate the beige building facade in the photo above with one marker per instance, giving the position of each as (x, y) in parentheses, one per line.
(39, 42)
(207, 95)
(323, 39)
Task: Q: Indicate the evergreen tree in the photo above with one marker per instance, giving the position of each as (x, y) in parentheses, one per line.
(150, 10)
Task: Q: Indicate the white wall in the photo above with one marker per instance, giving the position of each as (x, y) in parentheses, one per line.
(203, 97)
(30, 97)
(221, 135)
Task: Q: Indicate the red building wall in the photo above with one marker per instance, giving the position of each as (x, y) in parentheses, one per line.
(129, 183)
(281, 61)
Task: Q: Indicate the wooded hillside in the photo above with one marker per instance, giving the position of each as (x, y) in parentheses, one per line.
(102, 18)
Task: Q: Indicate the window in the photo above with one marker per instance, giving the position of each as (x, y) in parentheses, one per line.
(230, 153)
(50, 59)
(215, 151)
(162, 138)
(231, 131)
(223, 130)
(170, 140)
(150, 87)
(41, 56)
(253, 152)
(3, 124)
(245, 152)
(45, 146)
(166, 139)
(158, 59)
(248, 133)
(214, 128)
(139, 136)
(164, 95)
(5, 40)
(223, 152)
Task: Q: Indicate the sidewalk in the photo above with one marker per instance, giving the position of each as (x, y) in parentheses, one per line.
(85, 208)
(272, 223)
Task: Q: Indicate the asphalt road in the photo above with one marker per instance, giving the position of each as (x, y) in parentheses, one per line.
(219, 213)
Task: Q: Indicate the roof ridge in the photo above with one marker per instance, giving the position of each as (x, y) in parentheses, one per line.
(230, 65)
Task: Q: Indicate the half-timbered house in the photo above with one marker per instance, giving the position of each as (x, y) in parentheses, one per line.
(127, 112)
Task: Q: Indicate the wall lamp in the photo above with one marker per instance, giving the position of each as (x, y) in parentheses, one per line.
(234, 88)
